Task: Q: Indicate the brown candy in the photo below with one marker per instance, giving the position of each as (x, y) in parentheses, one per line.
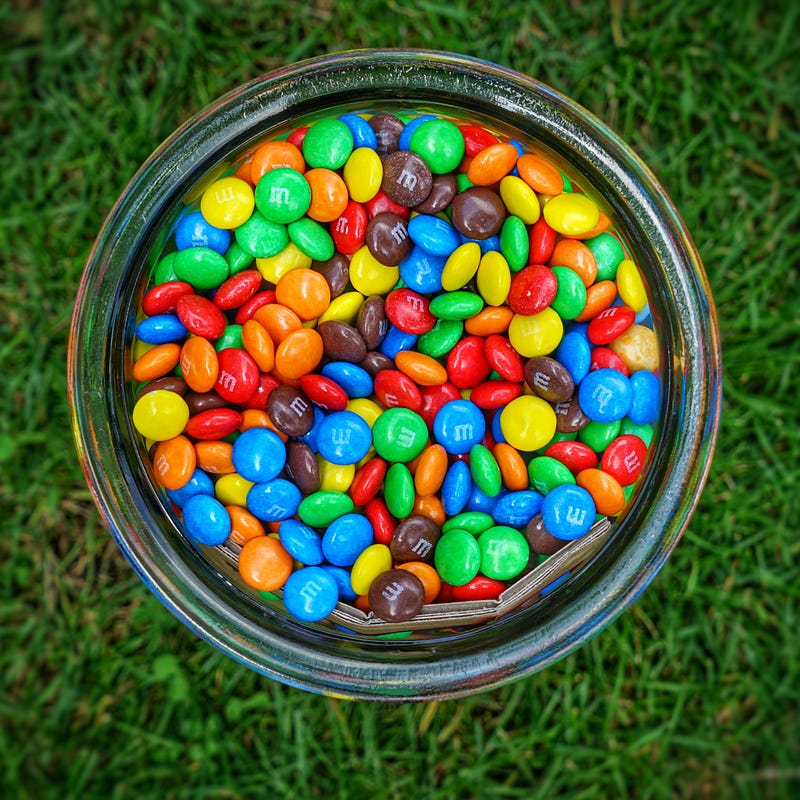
(414, 539)
(442, 192)
(336, 271)
(407, 179)
(387, 130)
(206, 401)
(302, 466)
(541, 541)
(387, 238)
(396, 595)
(170, 383)
(549, 379)
(375, 361)
(371, 322)
(290, 410)
(569, 415)
(478, 212)
(342, 342)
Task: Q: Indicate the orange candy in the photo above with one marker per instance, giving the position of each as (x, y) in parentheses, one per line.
(608, 496)
(299, 353)
(273, 155)
(199, 364)
(278, 320)
(305, 292)
(492, 163)
(244, 526)
(599, 296)
(431, 507)
(431, 469)
(540, 175)
(431, 582)
(513, 469)
(577, 256)
(174, 462)
(156, 362)
(264, 564)
(214, 456)
(422, 369)
(489, 320)
(329, 194)
(258, 344)
(256, 418)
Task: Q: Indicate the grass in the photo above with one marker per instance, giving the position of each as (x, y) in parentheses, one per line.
(692, 693)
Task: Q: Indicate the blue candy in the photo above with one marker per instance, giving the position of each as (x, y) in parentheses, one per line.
(342, 578)
(456, 488)
(487, 244)
(433, 234)
(497, 431)
(346, 538)
(568, 511)
(422, 271)
(575, 354)
(258, 455)
(397, 340)
(199, 483)
(458, 425)
(273, 501)
(206, 519)
(355, 380)
(193, 231)
(160, 329)
(517, 508)
(301, 542)
(405, 135)
(343, 438)
(605, 395)
(310, 594)
(310, 436)
(480, 501)
(645, 403)
(363, 135)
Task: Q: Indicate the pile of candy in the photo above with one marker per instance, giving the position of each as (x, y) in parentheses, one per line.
(394, 360)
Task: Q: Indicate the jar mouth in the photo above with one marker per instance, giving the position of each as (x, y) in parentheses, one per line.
(200, 592)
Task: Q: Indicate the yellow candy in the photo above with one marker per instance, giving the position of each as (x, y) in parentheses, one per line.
(537, 334)
(461, 266)
(630, 285)
(494, 278)
(343, 308)
(227, 203)
(638, 348)
(363, 173)
(160, 415)
(377, 558)
(520, 199)
(369, 276)
(528, 422)
(275, 267)
(335, 477)
(367, 409)
(571, 214)
(232, 489)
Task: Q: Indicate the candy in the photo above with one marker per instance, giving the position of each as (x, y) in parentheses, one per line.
(394, 361)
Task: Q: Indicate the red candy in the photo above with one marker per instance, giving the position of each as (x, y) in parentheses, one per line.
(606, 358)
(532, 290)
(265, 298)
(394, 388)
(216, 423)
(476, 139)
(467, 365)
(610, 324)
(479, 588)
(434, 397)
(383, 523)
(575, 456)
(349, 230)
(258, 400)
(409, 311)
(495, 394)
(324, 392)
(542, 241)
(367, 481)
(238, 289)
(164, 297)
(200, 316)
(503, 358)
(381, 203)
(238, 375)
(624, 458)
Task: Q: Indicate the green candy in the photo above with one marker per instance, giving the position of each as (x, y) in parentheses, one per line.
(231, 337)
(237, 258)
(546, 473)
(644, 432)
(474, 522)
(165, 269)
(441, 338)
(463, 182)
(484, 470)
(608, 252)
(328, 143)
(599, 435)
(312, 238)
(398, 490)
(203, 267)
(283, 195)
(504, 552)
(457, 557)
(321, 508)
(399, 434)
(515, 243)
(459, 305)
(439, 144)
(570, 297)
(261, 238)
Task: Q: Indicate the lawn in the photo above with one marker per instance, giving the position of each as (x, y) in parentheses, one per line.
(694, 692)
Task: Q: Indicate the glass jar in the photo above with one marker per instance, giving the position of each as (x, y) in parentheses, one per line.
(202, 591)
